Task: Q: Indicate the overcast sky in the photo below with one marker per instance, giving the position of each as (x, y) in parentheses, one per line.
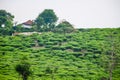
(80, 13)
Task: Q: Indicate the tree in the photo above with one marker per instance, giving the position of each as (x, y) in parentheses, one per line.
(64, 27)
(46, 19)
(6, 18)
(23, 69)
(114, 54)
(6, 22)
(39, 23)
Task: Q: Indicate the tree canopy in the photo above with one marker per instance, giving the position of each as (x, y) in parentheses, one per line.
(46, 19)
(23, 68)
(6, 19)
(64, 27)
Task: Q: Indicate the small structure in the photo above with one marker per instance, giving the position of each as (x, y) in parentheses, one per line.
(27, 24)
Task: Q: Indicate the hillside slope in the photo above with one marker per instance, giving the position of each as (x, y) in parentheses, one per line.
(87, 54)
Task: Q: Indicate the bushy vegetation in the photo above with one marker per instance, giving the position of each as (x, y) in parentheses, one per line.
(85, 54)
(6, 24)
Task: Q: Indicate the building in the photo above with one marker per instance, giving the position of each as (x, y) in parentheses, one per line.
(27, 24)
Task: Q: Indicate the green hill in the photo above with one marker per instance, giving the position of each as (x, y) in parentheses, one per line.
(86, 54)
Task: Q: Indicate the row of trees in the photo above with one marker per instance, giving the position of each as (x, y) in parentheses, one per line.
(46, 21)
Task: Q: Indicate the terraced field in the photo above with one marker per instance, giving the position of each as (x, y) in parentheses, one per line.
(86, 54)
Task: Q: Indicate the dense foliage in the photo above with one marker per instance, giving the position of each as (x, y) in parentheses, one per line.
(46, 20)
(23, 68)
(6, 24)
(64, 27)
(86, 54)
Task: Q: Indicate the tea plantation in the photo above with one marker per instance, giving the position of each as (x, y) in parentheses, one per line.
(85, 54)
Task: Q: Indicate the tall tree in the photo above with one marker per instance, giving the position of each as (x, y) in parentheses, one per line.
(114, 64)
(112, 54)
(6, 19)
(39, 23)
(46, 19)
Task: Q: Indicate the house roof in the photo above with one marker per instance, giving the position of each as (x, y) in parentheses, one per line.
(29, 22)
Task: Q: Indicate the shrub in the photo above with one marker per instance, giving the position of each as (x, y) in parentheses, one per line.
(69, 47)
(41, 43)
(7, 48)
(24, 70)
(76, 49)
(62, 48)
(49, 43)
(48, 46)
(32, 44)
(56, 48)
(77, 54)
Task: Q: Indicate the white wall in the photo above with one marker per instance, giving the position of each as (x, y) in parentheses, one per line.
(26, 26)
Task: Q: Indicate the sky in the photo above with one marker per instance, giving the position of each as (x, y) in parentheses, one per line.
(80, 13)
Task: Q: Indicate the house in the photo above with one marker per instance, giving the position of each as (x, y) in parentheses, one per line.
(27, 24)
